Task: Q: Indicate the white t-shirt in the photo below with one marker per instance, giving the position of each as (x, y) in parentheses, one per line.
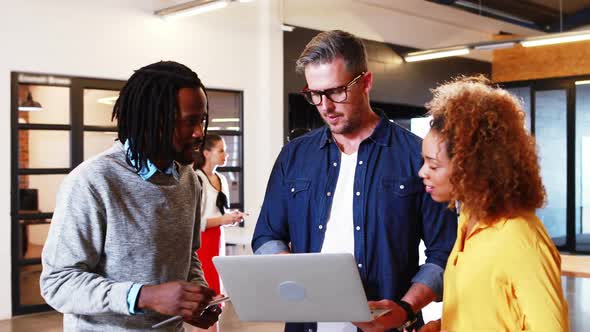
(339, 237)
(209, 197)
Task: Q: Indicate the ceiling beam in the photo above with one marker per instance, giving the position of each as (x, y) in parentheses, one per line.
(521, 12)
(572, 21)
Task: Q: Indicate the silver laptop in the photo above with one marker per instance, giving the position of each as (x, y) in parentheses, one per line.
(294, 288)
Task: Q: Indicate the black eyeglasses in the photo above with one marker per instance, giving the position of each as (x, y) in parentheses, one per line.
(336, 95)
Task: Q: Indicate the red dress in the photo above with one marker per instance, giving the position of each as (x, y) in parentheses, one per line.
(210, 247)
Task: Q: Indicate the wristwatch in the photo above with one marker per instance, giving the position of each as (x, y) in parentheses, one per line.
(410, 315)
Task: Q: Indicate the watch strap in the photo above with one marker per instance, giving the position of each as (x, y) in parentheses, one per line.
(410, 315)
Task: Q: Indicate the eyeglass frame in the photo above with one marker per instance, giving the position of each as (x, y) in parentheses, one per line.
(325, 92)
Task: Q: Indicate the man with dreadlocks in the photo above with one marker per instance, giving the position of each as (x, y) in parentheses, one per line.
(120, 251)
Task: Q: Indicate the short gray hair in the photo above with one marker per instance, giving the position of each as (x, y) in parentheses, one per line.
(329, 45)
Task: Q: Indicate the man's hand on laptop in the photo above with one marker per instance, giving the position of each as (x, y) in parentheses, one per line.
(182, 298)
(392, 319)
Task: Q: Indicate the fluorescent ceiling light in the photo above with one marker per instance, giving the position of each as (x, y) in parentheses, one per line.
(287, 28)
(191, 8)
(558, 38)
(108, 100)
(555, 38)
(583, 82)
(226, 120)
(213, 128)
(233, 128)
(494, 46)
(435, 54)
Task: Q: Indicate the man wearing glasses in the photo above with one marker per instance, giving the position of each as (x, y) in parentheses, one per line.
(352, 186)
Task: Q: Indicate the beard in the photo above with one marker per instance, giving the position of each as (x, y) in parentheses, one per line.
(344, 126)
(184, 156)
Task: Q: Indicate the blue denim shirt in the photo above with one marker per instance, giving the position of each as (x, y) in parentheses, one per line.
(390, 208)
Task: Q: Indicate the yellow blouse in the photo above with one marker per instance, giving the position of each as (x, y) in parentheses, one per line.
(504, 277)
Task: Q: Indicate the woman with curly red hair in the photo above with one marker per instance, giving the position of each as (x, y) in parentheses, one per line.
(504, 271)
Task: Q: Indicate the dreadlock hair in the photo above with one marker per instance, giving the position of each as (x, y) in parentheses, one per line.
(208, 143)
(147, 109)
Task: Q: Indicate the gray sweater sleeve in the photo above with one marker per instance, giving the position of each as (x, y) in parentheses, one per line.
(196, 271)
(73, 249)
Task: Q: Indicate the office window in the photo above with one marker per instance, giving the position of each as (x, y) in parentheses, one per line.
(57, 123)
(226, 120)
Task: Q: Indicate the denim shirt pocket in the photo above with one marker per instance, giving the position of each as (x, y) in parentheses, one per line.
(400, 187)
(297, 187)
(398, 203)
(298, 195)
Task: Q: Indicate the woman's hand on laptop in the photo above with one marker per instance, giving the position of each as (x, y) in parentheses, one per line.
(392, 319)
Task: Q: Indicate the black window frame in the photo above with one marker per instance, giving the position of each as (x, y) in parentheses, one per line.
(567, 84)
(77, 129)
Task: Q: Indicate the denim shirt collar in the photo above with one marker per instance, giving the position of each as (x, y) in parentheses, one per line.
(381, 135)
(147, 173)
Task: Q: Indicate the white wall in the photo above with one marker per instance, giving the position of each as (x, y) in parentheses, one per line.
(239, 47)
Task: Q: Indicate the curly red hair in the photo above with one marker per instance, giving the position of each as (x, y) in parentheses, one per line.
(495, 168)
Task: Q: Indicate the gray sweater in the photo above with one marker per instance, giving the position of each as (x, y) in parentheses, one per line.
(111, 229)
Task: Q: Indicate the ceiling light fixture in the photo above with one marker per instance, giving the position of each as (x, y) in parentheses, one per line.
(584, 82)
(494, 46)
(287, 28)
(30, 105)
(549, 39)
(556, 38)
(226, 120)
(436, 54)
(191, 8)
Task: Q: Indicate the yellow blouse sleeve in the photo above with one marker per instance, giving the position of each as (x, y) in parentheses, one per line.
(536, 280)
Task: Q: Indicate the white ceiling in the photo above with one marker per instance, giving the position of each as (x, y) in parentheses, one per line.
(414, 23)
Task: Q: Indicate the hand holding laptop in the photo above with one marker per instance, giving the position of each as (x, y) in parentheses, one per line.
(295, 288)
(385, 313)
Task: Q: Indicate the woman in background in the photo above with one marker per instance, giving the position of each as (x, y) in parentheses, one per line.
(214, 206)
(504, 271)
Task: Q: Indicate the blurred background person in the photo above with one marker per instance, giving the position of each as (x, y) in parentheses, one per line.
(504, 271)
(214, 206)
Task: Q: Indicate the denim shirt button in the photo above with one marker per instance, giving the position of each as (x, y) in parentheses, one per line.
(292, 190)
(335, 164)
(360, 162)
(401, 186)
(328, 194)
(358, 193)
(321, 226)
(358, 228)
(360, 266)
